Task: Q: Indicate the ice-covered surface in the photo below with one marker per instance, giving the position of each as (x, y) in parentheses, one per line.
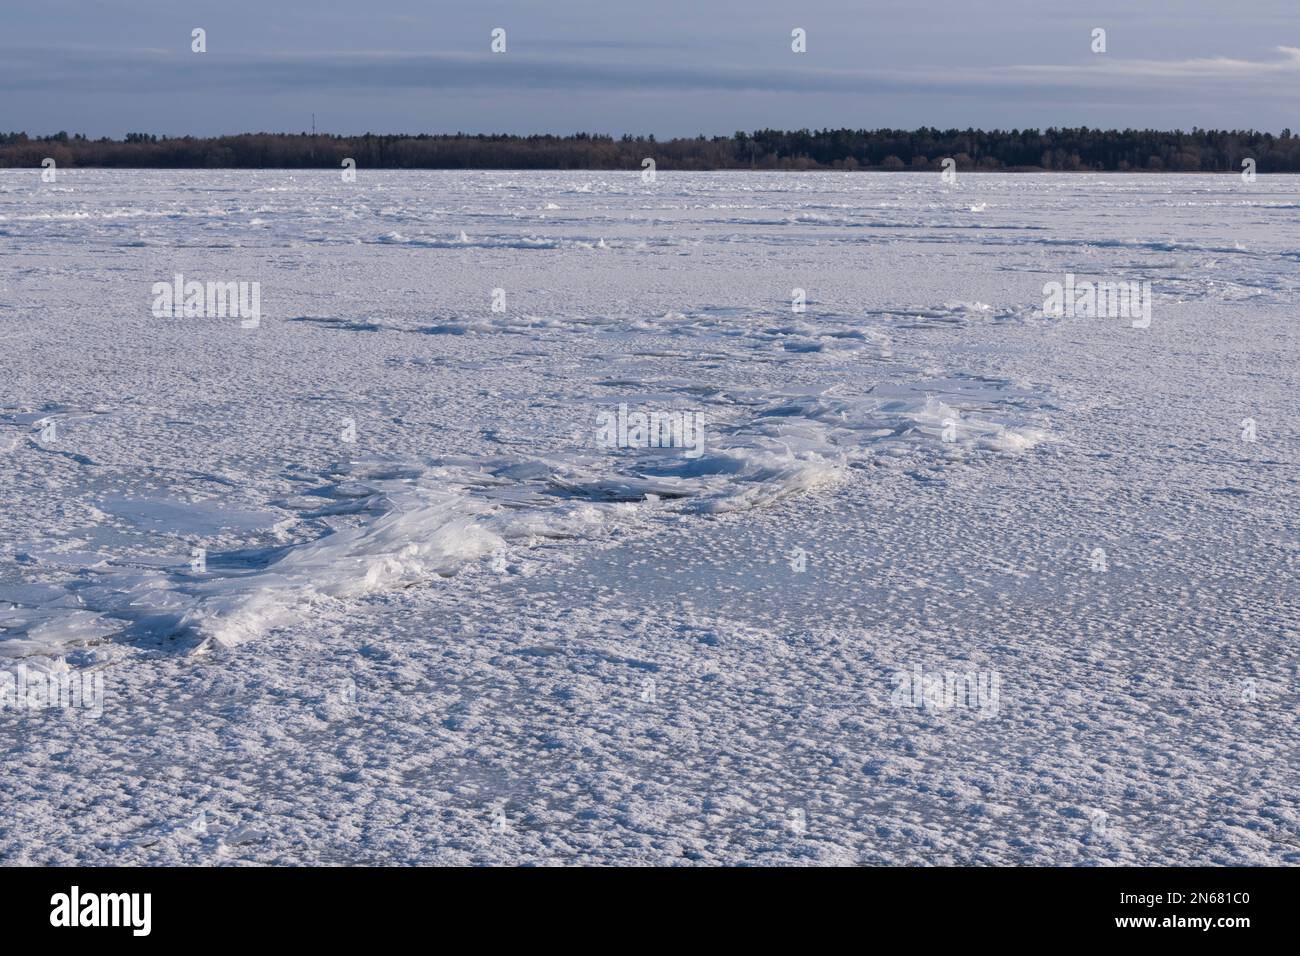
(477, 634)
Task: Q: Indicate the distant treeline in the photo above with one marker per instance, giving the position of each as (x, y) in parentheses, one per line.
(1080, 149)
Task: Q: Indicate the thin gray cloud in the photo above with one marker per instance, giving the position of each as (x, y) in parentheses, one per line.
(153, 71)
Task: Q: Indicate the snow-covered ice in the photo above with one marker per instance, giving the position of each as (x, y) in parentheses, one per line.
(366, 583)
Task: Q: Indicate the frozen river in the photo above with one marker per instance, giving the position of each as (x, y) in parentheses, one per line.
(559, 517)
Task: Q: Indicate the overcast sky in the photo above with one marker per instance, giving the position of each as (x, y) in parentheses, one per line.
(668, 67)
